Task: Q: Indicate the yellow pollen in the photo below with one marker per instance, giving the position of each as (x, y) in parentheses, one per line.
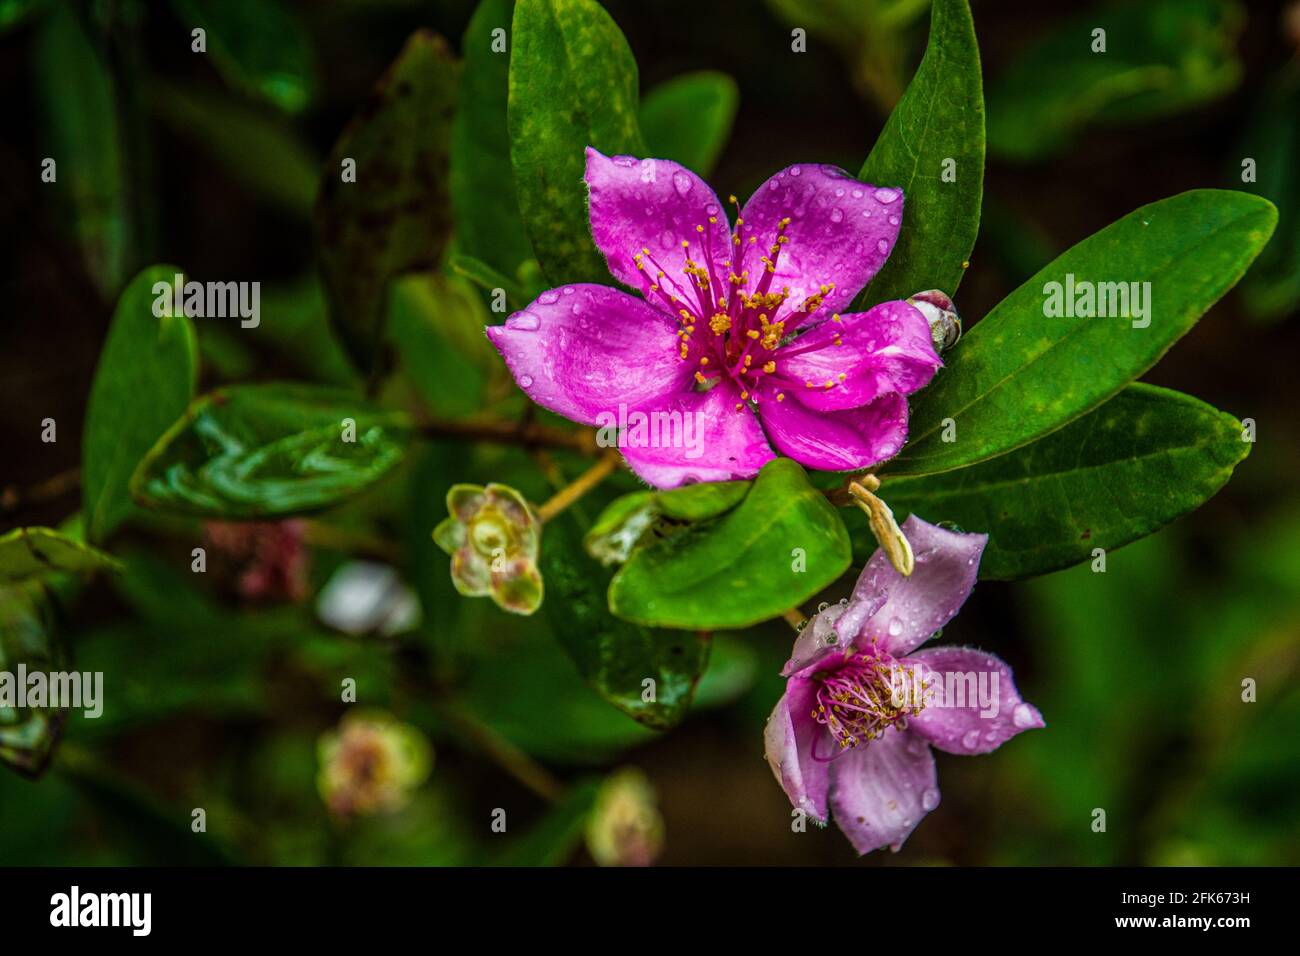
(770, 367)
(780, 396)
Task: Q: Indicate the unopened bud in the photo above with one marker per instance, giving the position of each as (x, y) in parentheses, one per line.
(941, 314)
(625, 827)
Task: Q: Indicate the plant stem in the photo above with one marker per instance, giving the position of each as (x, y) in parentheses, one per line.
(794, 617)
(509, 757)
(580, 486)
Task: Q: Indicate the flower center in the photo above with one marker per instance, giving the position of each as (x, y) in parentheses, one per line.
(732, 329)
(865, 696)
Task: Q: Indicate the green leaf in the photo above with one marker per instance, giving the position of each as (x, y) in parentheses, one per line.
(1162, 57)
(286, 173)
(395, 217)
(743, 567)
(28, 734)
(613, 656)
(552, 840)
(487, 278)
(937, 126)
(1022, 373)
(79, 107)
(488, 226)
(642, 516)
(257, 46)
(436, 324)
(145, 377)
(250, 451)
(34, 552)
(688, 118)
(573, 84)
(1271, 289)
(1116, 474)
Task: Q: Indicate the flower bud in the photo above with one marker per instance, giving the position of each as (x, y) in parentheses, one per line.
(625, 827)
(493, 537)
(945, 323)
(371, 764)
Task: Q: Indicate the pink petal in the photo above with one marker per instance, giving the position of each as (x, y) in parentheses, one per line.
(788, 746)
(954, 718)
(654, 204)
(947, 563)
(584, 349)
(846, 440)
(716, 441)
(841, 231)
(887, 349)
(881, 790)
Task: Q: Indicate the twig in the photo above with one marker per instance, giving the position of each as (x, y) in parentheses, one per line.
(509, 757)
(12, 498)
(589, 479)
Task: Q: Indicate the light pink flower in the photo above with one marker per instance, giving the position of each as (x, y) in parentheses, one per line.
(742, 331)
(852, 736)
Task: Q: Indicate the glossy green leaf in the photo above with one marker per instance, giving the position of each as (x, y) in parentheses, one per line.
(644, 516)
(778, 547)
(1161, 57)
(932, 148)
(688, 119)
(251, 451)
(1110, 477)
(79, 109)
(145, 377)
(489, 279)
(488, 226)
(573, 84)
(1020, 373)
(615, 657)
(257, 46)
(27, 734)
(35, 552)
(1271, 146)
(396, 216)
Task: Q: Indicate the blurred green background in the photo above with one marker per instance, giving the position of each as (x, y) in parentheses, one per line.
(218, 702)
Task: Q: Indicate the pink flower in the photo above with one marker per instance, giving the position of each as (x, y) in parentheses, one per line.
(863, 707)
(737, 335)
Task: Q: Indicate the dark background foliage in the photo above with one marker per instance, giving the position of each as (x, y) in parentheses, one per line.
(1137, 671)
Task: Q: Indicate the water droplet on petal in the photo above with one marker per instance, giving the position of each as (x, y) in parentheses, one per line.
(682, 183)
(971, 740)
(711, 210)
(624, 161)
(883, 246)
(856, 194)
(1023, 716)
(523, 322)
(893, 220)
(525, 381)
(549, 297)
(886, 196)
(795, 170)
(929, 799)
(569, 290)
(837, 215)
(895, 627)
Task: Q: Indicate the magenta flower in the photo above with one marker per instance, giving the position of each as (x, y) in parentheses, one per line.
(863, 707)
(738, 335)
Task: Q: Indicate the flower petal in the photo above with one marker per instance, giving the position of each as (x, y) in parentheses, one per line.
(695, 436)
(947, 563)
(841, 231)
(846, 440)
(584, 349)
(788, 746)
(653, 204)
(880, 790)
(863, 355)
(973, 707)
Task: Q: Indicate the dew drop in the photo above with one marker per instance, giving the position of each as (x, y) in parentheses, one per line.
(837, 215)
(625, 161)
(549, 297)
(929, 799)
(856, 194)
(895, 627)
(893, 220)
(523, 322)
(711, 210)
(1023, 716)
(795, 170)
(569, 290)
(886, 196)
(883, 246)
(971, 739)
(682, 183)
(525, 381)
